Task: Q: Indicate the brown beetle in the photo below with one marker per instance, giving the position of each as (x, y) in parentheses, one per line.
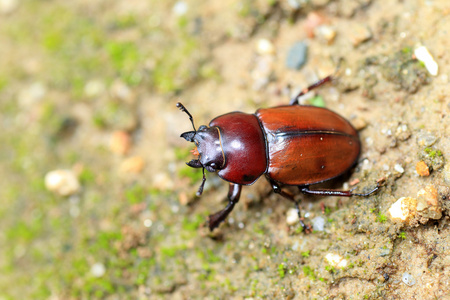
(292, 145)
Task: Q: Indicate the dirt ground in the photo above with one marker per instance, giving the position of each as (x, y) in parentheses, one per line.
(88, 89)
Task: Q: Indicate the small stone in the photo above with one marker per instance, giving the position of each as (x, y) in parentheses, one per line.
(120, 142)
(264, 46)
(133, 164)
(318, 223)
(422, 169)
(359, 34)
(296, 57)
(359, 123)
(403, 209)
(8, 6)
(426, 139)
(325, 33)
(292, 216)
(98, 270)
(33, 94)
(62, 182)
(428, 204)
(385, 252)
(94, 88)
(408, 279)
(336, 260)
(399, 169)
(313, 20)
(180, 8)
(423, 55)
(447, 173)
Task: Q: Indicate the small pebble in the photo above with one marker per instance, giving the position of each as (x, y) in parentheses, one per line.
(120, 142)
(335, 260)
(447, 173)
(292, 216)
(426, 139)
(423, 55)
(408, 279)
(98, 270)
(359, 123)
(264, 46)
(318, 223)
(385, 252)
(398, 168)
(422, 169)
(180, 8)
(8, 6)
(313, 20)
(403, 209)
(33, 94)
(133, 164)
(94, 88)
(359, 34)
(296, 57)
(325, 33)
(428, 204)
(62, 182)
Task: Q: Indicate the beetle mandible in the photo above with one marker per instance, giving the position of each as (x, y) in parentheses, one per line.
(294, 145)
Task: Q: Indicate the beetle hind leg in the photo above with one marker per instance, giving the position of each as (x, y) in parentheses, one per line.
(306, 190)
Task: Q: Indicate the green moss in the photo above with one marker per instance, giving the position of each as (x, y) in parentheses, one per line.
(402, 235)
(317, 101)
(306, 253)
(309, 272)
(381, 218)
(135, 194)
(195, 175)
(282, 270)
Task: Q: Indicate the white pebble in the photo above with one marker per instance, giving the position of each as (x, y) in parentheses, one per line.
(425, 56)
(292, 216)
(180, 8)
(264, 46)
(98, 269)
(62, 182)
(399, 168)
(318, 223)
(408, 279)
(403, 209)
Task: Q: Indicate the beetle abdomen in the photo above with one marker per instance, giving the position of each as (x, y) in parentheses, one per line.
(307, 144)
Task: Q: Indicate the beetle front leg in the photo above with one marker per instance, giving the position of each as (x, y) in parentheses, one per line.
(234, 193)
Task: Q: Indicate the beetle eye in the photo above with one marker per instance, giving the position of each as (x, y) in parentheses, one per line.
(213, 165)
(202, 127)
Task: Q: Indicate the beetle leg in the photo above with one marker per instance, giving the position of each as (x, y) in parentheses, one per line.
(306, 190)
(277, 189)
(234, 194)
(294, 100)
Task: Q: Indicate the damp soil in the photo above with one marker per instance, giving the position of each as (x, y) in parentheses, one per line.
(91, 87)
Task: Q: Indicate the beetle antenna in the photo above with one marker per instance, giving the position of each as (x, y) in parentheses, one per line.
(182, 108)
(200, 189)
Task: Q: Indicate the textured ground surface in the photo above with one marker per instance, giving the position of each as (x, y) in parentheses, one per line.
(91, 87)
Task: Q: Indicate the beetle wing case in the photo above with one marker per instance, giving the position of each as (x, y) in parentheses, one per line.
(244, 147)
(307, 144)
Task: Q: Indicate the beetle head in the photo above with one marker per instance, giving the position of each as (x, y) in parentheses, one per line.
(208, 147)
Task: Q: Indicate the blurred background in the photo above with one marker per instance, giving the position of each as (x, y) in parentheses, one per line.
(96, 201)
